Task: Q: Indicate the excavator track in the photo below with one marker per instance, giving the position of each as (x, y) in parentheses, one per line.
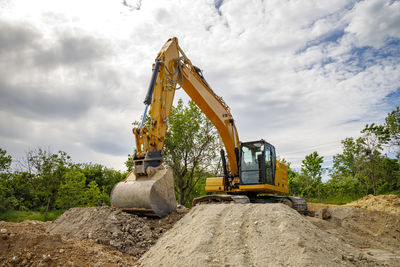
(297, 203)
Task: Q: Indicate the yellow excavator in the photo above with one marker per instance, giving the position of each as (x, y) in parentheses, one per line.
(251, 173)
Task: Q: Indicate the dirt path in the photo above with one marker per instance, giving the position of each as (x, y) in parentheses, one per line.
(251, 235)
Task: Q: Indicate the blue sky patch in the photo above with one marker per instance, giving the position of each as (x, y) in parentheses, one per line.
(363, 57)
(218, 4)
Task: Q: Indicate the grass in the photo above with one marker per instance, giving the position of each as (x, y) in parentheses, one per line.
(340, 200)
(19, 216)
(336, 200)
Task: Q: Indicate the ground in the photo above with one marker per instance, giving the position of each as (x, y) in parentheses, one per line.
(363, 233)
(28, 244)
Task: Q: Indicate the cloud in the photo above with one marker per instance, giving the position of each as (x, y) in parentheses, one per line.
(375, 22)
(71, 50)
(30, 101)
(51, 78)
(14, 36)
(301, 74)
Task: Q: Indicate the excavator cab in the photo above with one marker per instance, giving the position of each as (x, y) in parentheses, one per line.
(257, 163)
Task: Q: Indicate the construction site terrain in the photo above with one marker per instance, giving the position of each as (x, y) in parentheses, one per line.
(363, 233)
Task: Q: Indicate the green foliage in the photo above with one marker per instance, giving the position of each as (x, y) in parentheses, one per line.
(346, 163)
(129, 162)
(46, 173)
(47, 181)
(5, 160)
(16, 192)
(389, 173)
(372, 141)
(312, 172)
(20, 216)
(71, 192)
(93, 196)
(190, 149)
(361, 169)
(105, 178)
(199, 189)
(76, 192)
(294, 183)
(392, 124)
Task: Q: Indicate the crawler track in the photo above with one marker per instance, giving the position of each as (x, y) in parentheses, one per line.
(297, 203)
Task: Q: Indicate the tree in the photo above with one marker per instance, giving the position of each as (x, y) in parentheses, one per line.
(93, 196)
(190, 148)
(5, 192)
(5, 160)
(346, 163)
(46, 171)
(347, 180)
(129, 162)
(374, 137)
(71, 192)
(312, 170)
(389, 173)
(392, 124)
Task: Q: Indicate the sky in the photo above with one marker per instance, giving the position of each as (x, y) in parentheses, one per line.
(303, 75)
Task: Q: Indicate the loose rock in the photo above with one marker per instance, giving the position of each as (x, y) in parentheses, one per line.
(125, 232)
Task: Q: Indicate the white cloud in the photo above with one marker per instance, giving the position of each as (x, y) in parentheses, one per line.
(375, 21)
(295, 73)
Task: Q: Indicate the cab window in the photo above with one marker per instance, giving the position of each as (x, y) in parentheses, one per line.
(252, 163)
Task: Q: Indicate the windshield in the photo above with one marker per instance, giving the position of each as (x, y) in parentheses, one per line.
(251, 163)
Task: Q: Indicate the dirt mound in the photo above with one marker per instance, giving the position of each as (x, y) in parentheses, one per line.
(376, 226)
(250, 235)
(375, 233)
(119, 230)
(28, 244)
(386, 203)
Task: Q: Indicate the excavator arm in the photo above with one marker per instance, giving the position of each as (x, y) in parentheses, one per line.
(172, 68)
(216, 110)
(149, 188)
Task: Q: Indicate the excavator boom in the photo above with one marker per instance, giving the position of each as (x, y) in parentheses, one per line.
(149, 189)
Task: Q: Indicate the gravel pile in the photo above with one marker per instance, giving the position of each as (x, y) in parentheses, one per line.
(125, 232)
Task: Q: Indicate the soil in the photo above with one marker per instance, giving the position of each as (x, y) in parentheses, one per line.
(386, 203)
(28, 244)
(211, 235)
(313, 207)
(374, 233)
(125, 232)
(256, 235)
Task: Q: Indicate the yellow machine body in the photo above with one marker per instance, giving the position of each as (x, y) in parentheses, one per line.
(149, 188)
(217, 184)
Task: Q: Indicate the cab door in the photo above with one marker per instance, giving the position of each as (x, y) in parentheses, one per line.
(270, 159)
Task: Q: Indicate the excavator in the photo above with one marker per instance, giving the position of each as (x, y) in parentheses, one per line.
(252, 174)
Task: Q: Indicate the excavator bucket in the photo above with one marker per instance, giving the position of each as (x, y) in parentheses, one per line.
(151, 195)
